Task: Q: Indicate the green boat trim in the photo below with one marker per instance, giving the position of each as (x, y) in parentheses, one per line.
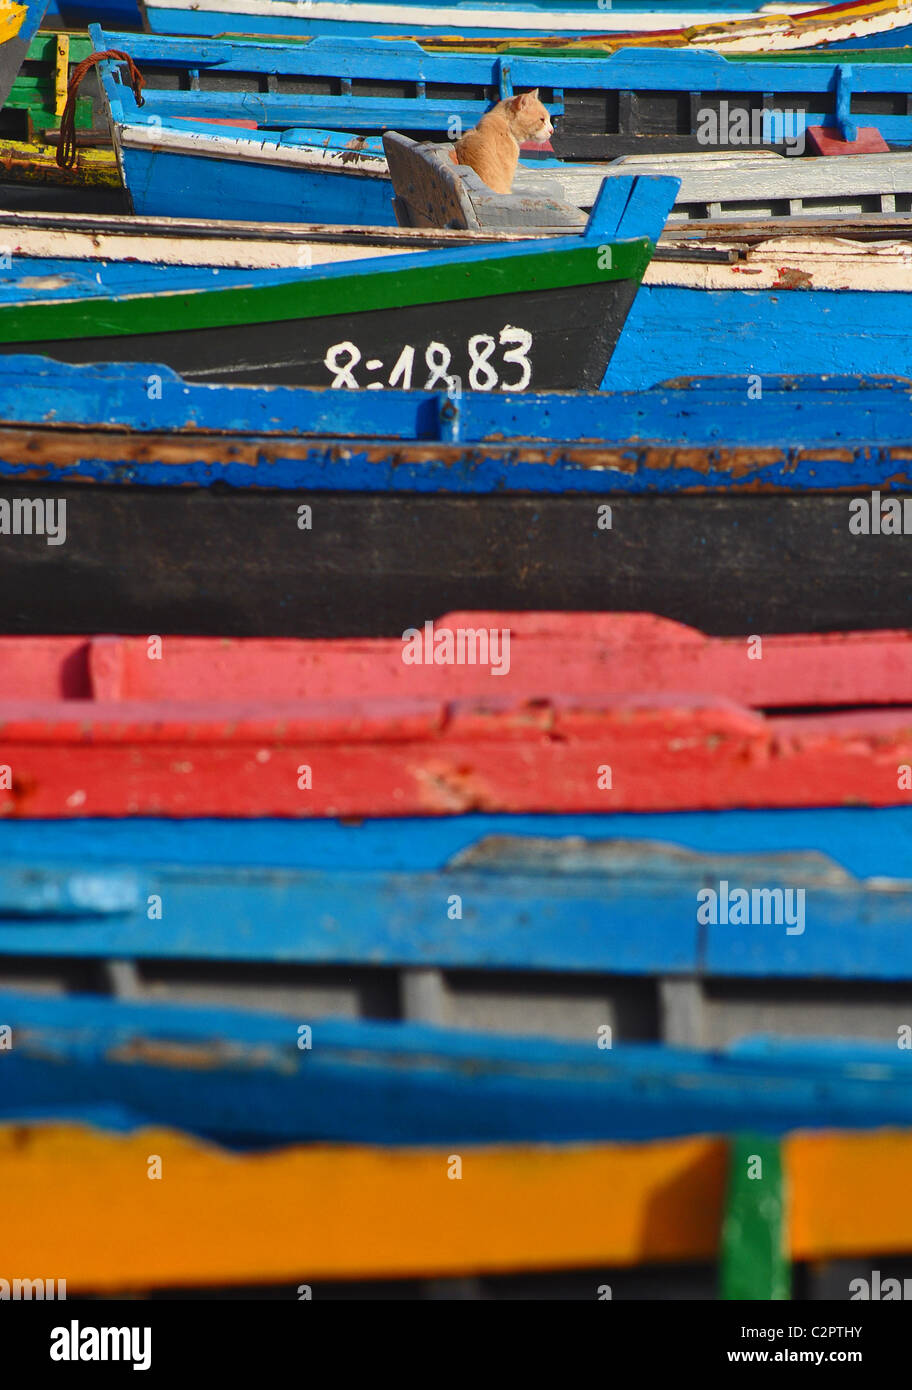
(754, 1261)
(432, 278)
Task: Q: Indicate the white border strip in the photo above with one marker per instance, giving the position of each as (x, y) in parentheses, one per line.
(412, 17)
(171, 141)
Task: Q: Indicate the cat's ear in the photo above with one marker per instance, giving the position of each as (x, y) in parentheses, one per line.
(530, 96)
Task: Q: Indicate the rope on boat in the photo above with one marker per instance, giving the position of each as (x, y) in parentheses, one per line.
(66, 144)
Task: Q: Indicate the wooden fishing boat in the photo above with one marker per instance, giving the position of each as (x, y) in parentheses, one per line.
(861, 26)
(564, 25)
(847, 296)
(636, 101)
(431, 191)
(184, 241)
(516, 493)
(225, 1219)
(555, 306)
(359, 19)
(127, 746)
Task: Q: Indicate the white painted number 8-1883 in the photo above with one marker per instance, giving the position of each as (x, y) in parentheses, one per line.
(342, 358)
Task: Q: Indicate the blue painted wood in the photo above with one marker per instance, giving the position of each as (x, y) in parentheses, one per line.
(638, 69)
(168, 184)
(830, 433)
(171, 184)
(760, 332)
(868, 842)
(246, 1082)
(548, 893)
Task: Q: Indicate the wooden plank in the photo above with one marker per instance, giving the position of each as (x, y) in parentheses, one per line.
(607, 654)
(26, 162)
(426, 757)
(530, 902)
(249, 1079)
(846, 1194)
(86, 1206)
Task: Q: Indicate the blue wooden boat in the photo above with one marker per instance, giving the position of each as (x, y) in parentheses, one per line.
(241, 1078)
(708, 461)
(633, 101)
(810, 435)
(555, 306)
(844, 300)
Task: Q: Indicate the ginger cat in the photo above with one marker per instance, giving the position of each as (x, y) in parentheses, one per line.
(492, 148)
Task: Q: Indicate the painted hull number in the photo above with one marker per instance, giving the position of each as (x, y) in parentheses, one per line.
(494, 365)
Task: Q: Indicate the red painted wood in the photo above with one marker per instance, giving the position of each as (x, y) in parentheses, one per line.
(869, 141)
(421, 757)
(581, 654)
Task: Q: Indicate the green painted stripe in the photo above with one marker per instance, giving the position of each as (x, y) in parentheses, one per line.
(754, 1262)
(43, 47)
(389, 287)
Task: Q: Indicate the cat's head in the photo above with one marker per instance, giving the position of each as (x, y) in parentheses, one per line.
(529, 120)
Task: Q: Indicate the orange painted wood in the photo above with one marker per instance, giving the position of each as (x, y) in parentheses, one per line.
(849, 1194)
(86, 1211)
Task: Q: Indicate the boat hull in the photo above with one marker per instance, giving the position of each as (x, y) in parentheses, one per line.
(178, 560)
(755, 332)
(571, 331)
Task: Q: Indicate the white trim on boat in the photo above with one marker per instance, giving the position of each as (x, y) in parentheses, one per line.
(413, 17)
(795, 263)
(166, 139)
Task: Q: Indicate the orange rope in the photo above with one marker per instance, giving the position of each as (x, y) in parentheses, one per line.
(66, 145)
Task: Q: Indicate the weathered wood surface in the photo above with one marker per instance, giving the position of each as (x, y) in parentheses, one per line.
(550, 654)
(526, 903)
(172, 560)
(574, 89)
(143, 424)
(434, 192)
(24, 162)
(389, 1213)
(201, 241)
(416, 754)
(858, 22)
(240, 1077)
(757, 184)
